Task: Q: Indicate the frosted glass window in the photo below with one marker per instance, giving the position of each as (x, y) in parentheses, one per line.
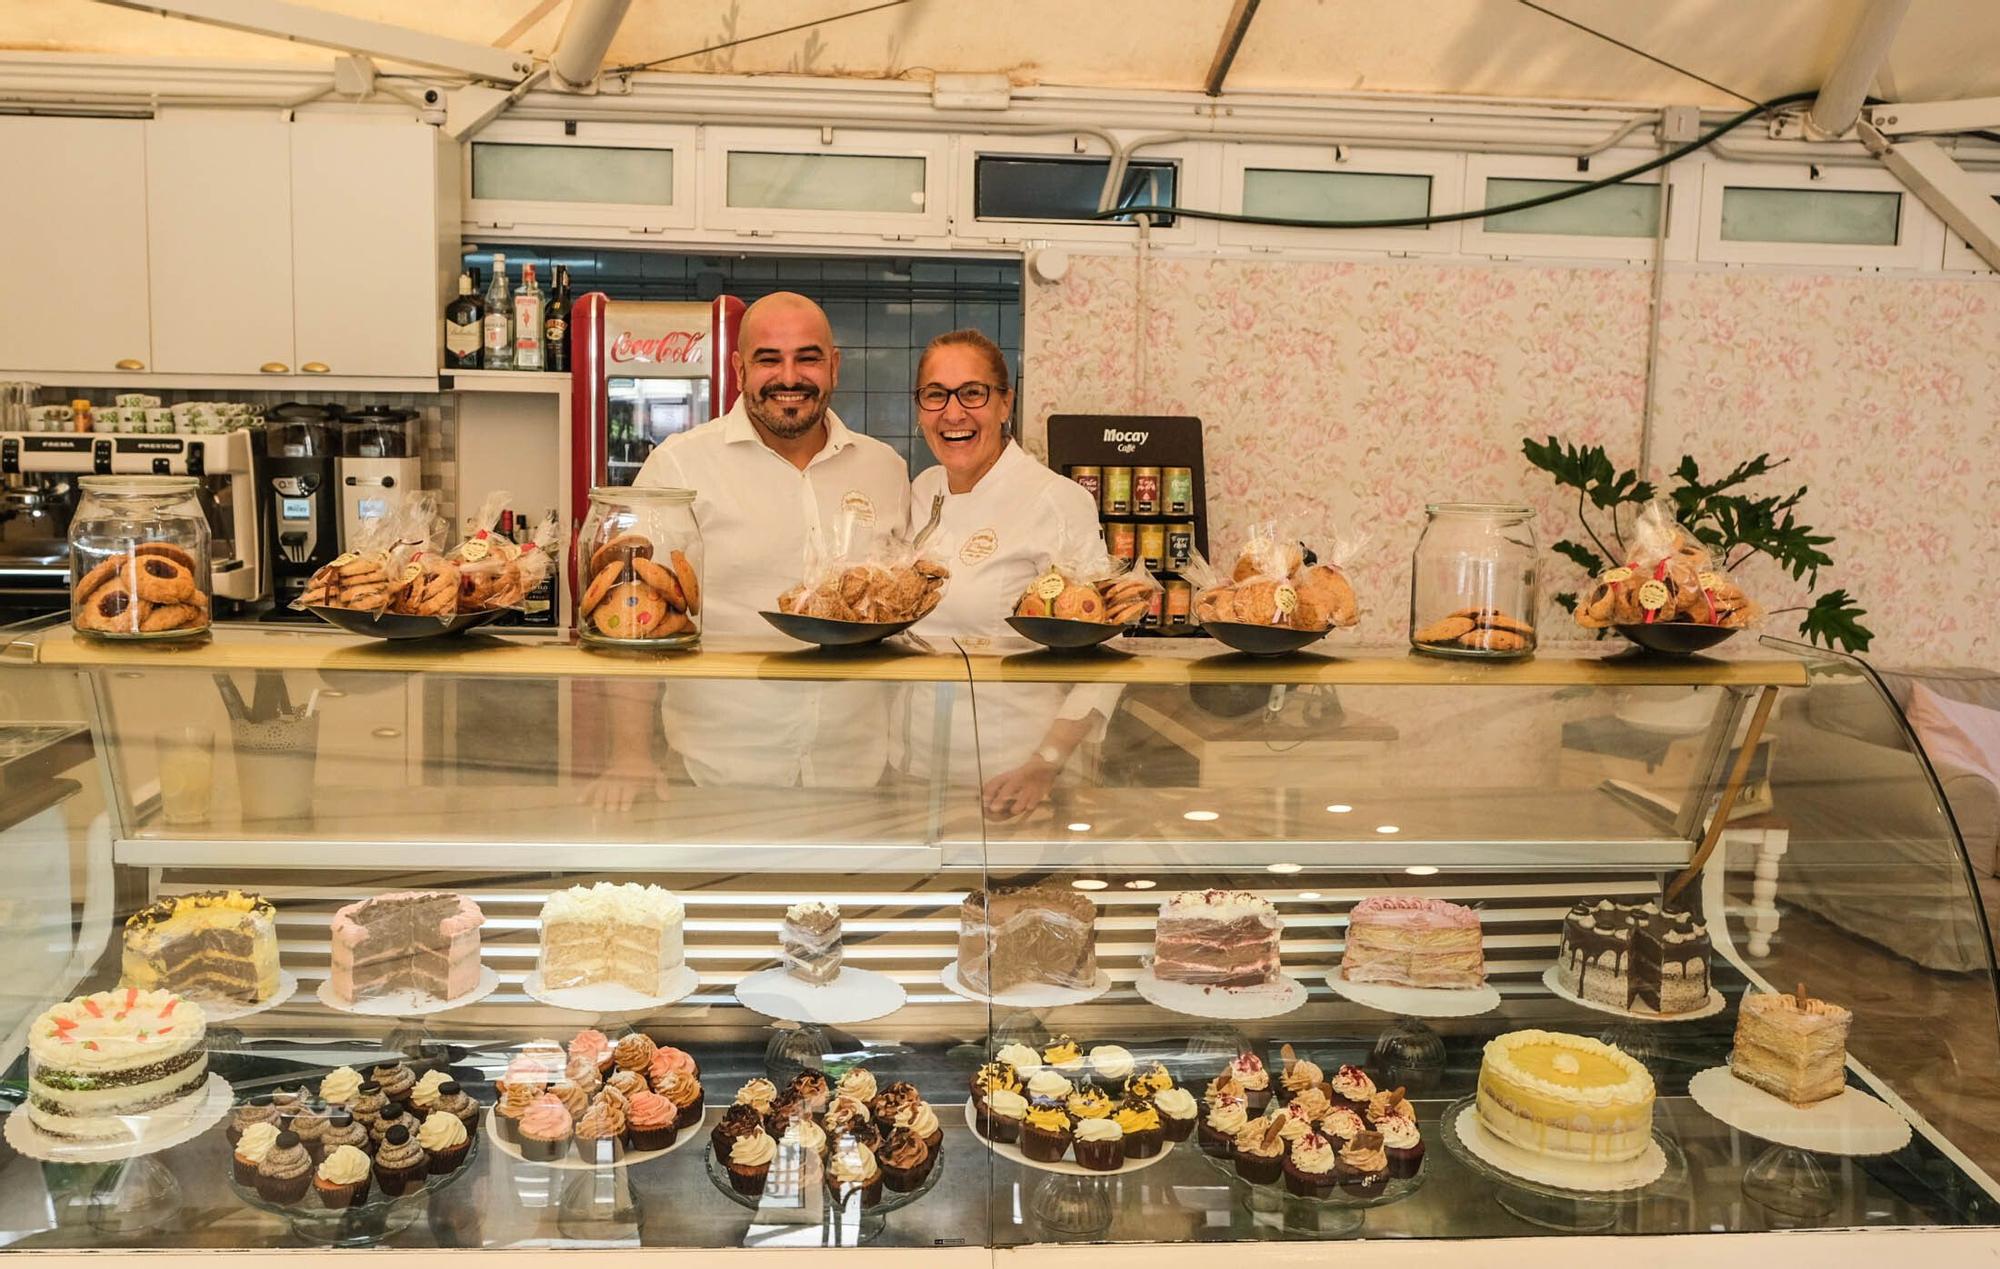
(1335, 195)
(1847, 216)
(573, 174)
(1616, 211)
(826, 182)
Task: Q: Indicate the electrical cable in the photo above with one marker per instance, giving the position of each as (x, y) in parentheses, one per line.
(1479, 213)
(1636, 51)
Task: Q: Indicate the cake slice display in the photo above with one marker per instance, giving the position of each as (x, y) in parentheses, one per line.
(1042, 935)
(1406, 941)
(1217, 938)
(1793, 1047)
(624, 934)
(425, 941)
(219, 945)
(810, 938)
(1625, 955)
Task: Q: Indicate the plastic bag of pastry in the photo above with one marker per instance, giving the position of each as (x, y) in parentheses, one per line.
(851, 574)
(377, 562)
(1090, 585)
(1277, 580)
(1668, 575)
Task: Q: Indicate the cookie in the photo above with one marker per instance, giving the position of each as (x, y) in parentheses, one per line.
(660, 579)
(1257, 603)
(600, 586)
(1306, 615)
(166, 550)
(790, 600)
(626, 546)
(1493, 641)
(1444, 630)
(1216, 605)
(633, 610)
(87, 585)
(113, 609)
(1494, 619)
(170, 617)
(674, 623)
(827, 605)
(1080, 603)
(1328, 590)
(1129, 613)
(160, 580)
(690, 584)
(1269, 561)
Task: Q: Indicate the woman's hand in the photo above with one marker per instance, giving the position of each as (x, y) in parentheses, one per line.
(1017, 792)
(621, 786)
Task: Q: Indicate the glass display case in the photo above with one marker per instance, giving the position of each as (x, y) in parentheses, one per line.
(932, 867)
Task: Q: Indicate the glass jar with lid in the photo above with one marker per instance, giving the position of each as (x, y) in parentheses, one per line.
(139, 558)
(1475, 581)
(638, 569)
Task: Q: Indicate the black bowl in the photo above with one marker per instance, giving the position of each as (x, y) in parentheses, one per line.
(392, 625)
(1261, 641)
(1676, 638)
(1060, 632)
(828, 633)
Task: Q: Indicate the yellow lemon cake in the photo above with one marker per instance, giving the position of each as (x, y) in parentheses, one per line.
(1565, 1096)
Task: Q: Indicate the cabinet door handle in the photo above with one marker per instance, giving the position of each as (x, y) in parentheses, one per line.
(274, 368)
(315, 368)
(130, 363)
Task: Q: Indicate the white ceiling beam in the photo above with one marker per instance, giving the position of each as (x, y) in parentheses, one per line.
(1907, 118)
(1846, 86)
(1945, 188)
(586, 35)
(303, 24)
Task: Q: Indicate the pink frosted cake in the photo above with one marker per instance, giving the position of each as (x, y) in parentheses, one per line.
(1410, 942)
(1216, 938)
(413, 940)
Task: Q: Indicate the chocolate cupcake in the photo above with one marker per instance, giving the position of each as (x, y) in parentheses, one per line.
(789, 1109)
(1403, 1144)
(339, 1086)
(1090, 1102)
(1260, 1151)
(1299, 1074)
(1144, 1134)
(545, 1130)
(288, 1103)
(749, 1162)
(1227, 1116)
(892, 1100)
(396, 1081)
(600, 1134)
(1310, 1169)
(342, 1178)
(1350, 1086)
(430, 1086)
(256, 1141)
(629, 1082)
(849, 1117)
(257, 1110)
(993, 1075)
(514, 1103)
(858, 1083)
(1364, 1165)
(1045, 1134)
(572, 1096)
(651, 1121)
(853, 1177)
(443, 1138)
(343, 1129)
(1000, 1118)
(738, 1122)
(1099, 1145)
(401, 1164)
(1149, 1080)
(1112, 1064)
(1340, 1125)
(392, 1116)
(1065, 1055)
(905, 1159)
(285, 1171)
(454, 1100)
(310, 1126)
(1249, 1073)
(368, 1104)
(1178, 1112)
(1046, 1087)
(668, 1058)
(758, 1092)
(811, 1087)
(922, 1120)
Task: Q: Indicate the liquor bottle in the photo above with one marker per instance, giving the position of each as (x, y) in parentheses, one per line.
(499, 346)
(555, 324)
(506, 525)
(464, 320)
(528, 322)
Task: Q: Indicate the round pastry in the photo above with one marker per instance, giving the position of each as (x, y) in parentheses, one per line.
(166, 550)
(106, 570)
(1272, 561)
(111, 609)
(1079, 603)
(690, 584)
(1444, 630)
(660, 579)
(162, 581)
(623, 548)
(161, 617)
(1328, 590)
(1494, 641)
(1257, 603)
(1216, 605)
(600, 586)
(631, 611)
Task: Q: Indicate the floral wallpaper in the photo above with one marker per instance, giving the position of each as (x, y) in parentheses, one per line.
(1346, 395)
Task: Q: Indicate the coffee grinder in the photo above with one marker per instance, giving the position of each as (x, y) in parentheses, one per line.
(302, 450)
(378, 461)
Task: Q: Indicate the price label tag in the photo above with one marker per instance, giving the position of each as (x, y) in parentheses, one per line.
(1709, 581)
(1049, 585)
(1617, 575)
(474, 551)
(1654, 595)
(1287, 600)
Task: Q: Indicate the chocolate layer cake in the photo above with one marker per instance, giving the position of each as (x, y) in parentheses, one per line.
(1623, 954)
(1216, 938)
(811, 941)
(214, 945)
(1039, 935)
(421, 940)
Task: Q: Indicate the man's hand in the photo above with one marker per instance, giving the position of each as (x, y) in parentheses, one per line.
(1017, 792)
(621, 786)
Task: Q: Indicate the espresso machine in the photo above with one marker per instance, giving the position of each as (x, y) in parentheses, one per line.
(300, 462)
(378, 461)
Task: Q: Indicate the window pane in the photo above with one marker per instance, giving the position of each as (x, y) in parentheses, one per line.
(1616, 211)
(1861, 217)
(826, 182)
(1064, 189)
(1335, 195)
(572, 174)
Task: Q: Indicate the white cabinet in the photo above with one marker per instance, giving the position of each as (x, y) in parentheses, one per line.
(73, 246)
(365, 247)
(219, 223)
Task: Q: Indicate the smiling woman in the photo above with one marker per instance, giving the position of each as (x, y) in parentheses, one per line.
(964, 402)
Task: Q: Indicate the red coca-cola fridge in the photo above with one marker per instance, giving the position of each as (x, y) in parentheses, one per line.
(641, 371)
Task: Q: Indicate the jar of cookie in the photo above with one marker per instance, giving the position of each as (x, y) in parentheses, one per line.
(1475, 581)
(638, 569)
(138, 552)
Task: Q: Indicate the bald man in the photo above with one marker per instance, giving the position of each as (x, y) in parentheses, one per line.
(768, 474)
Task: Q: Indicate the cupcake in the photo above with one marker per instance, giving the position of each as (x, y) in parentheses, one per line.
(1000, 1118)
(1403, 1144)
(393, 1115)
(572, 1096)
(922, 1120)
(339, 1086)
(629, 1082)
(582, 1071)
(1100, 1145)
(749, 1162)
(1260, 1151)
(1149, 1081)
(852, 1175)
(805, 1137)
(1297, 1119)
(514, 1103)
(255, 1142)
(368, 1103)
(424, 1097)
(618, 1099)
(454, 1100)
(1046, 1087)
(859, 1084)
(633, 1052)
(1024, 1060)
(595, 1048)
(993, 1075)
(1389, 1104)
(891, 1101)
(545, 1130)
(1351, 1085)
(1364, 1165)
(257, 1110)
(395, 1080)
(1112, 1064)
(600, 1134)
(905, 1159)
(1064, 1054)
(848, 1117)
(401, 1165)
(1248, 1071)
(1045, 1134)
(786, 1111)
(310, 1127)
(759, 1093)
(342, 1179)
(1144, 1135)
(668, 1058)
(1309, 1170)
(1090, 1102)
(1224, 1085)
(443, 1138)
(811, 1087)
(1178, 1112)
(1227, 1116)
(684, 1091)
(651, 1121)
(737, 1122)
(285, 1170)
(1299, 1075)
(289, 1102)
(1341, 1125)
(534, 1068)
(343, 1129)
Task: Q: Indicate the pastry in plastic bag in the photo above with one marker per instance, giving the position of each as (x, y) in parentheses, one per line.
(1669, 576)
(1276, 581)
(889, 583)
(1090, 585)
(366, 577)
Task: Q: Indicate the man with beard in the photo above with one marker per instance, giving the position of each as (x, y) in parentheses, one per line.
(767, 476)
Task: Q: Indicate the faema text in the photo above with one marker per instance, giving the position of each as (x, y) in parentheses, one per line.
(1126, 442)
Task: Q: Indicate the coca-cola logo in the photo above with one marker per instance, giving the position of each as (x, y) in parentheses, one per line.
(681, 347)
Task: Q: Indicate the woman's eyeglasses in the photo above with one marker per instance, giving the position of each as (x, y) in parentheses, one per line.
(934, 397)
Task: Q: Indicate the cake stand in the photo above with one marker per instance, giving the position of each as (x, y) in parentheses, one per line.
(1411, 1052)
(161, 1129)
(570, 1162)
(614, 998)
(1786, 1178)
(365, 1223)
(1717, 1002)
(1063, 1167)
(1037, 996)
(1268, 1001)
(848, 1226)
(854, 995)
(1554, 1193)
(1338, 1213)
(230, 1010)
(409, 1002)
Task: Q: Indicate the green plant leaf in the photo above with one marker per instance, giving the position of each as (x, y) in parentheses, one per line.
(1834, 619)
(1589, 471)
(1582, 556)
(1566, 600)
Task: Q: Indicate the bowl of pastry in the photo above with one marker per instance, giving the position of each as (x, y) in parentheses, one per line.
(860, 604)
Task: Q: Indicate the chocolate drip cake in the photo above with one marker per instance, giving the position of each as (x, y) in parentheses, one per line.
(214, 945)
(1040, 935)
(422, 940)
(811, 941)
(1216, 938)
(1622, 955)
